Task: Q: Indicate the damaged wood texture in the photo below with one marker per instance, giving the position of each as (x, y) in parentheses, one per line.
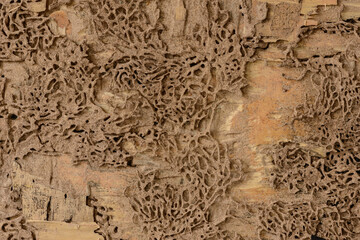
(107, 105)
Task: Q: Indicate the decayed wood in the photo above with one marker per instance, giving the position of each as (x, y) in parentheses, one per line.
(264, 111)
(54, 191)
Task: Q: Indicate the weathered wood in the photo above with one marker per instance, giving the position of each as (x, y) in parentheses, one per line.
(55, 192)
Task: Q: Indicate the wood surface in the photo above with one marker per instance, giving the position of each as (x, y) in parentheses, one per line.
(54, 191)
